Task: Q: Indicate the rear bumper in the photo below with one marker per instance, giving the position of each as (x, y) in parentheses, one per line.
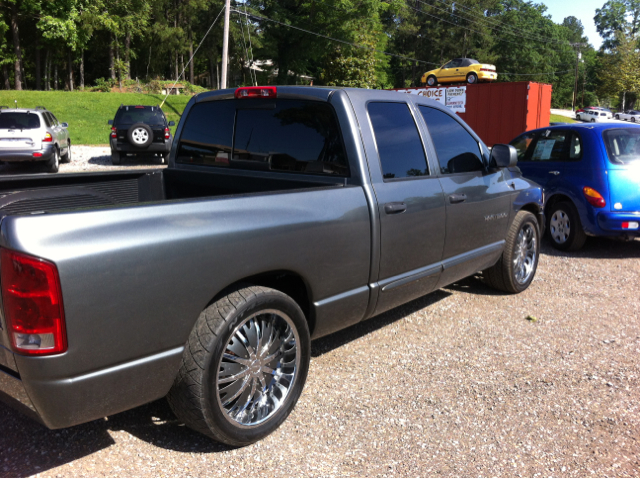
(27, 155)
(611, 223)
(487, 76)
(162, 148)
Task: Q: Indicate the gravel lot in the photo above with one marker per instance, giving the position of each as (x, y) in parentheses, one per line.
(457, 383)
(84, 158)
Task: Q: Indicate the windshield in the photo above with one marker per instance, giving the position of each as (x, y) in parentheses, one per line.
(139, 115)
(19, 121)
(623, 145)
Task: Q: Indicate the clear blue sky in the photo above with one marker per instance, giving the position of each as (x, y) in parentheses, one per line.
(584, 10)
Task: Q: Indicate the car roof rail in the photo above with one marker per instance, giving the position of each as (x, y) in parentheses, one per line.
(40, 108)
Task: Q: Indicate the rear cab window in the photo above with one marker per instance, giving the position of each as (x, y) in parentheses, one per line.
(19, 121)
(297, 136)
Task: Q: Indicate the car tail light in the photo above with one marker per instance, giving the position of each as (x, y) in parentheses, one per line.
(487, 70)
(37, 155)
(593, 197)
(256, 92)
(167, 134)
(630, 225)
(114, 132)
(47, 138)
(33, 307)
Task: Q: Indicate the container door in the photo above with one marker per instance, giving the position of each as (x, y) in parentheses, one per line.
(410, 206)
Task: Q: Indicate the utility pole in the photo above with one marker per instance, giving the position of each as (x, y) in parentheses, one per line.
(225, 45)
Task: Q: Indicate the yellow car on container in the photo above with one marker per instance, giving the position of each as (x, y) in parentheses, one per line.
(461, 70)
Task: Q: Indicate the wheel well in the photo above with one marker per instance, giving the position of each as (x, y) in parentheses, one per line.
(286, 282)
(555, 199)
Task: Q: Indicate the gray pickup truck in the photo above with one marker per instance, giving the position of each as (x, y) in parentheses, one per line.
(285, 214)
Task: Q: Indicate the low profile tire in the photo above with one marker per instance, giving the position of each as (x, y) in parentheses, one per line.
(244, 366)
(140, 135)
(67, 157)
(53, 164)
(432, 81)
(472, 78)
(564, 227)
(515, 270)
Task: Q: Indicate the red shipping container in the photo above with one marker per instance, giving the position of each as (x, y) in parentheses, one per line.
(498, 112)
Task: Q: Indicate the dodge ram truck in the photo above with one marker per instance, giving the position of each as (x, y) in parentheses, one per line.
(285, 214)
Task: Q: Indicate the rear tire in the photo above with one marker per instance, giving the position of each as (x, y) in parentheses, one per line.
(565, 228)
(432, 80)
(115, 158)
(53, 164)
(244, 366)
(67, 158)
(516, 268)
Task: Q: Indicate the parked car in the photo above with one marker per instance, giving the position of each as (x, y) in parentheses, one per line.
(285, 214)
(590, 179)
(33, 135)
(592, 116)
(460, 70)
(598, 109)
(139, 130)
(630, 115)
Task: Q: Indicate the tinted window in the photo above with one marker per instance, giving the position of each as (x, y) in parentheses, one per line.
(47, 119)
(295, 136)
(623, 145)
(457, 150)
(19, 121)
(131, 115)
(207, 134)
(399, 146)
(551, 146)
(522, 143)
(575, 147)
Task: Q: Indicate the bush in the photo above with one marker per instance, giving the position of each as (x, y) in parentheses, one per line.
(103, 85)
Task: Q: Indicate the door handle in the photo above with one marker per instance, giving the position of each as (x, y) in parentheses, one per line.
(554, 173)
(453, 199)
(395, 208)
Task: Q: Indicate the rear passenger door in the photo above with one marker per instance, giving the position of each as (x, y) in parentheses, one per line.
(410, 205)
(478, 199)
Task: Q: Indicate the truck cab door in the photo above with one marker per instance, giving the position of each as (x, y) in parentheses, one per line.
(478, 199)
(410, 204)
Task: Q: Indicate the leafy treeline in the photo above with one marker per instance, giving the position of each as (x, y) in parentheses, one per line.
(70, 44)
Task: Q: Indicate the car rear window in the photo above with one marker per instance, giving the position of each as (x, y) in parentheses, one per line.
(294, 136)
(19, 121)
(131, 115)
(623, 145)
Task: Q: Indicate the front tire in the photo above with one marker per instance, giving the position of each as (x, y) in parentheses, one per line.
(244, 366)
(564, 227)
(617, 117)
(517, 266)
(432, 80)
(633, 119)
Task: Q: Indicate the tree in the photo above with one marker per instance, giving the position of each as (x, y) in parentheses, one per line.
(617, 16)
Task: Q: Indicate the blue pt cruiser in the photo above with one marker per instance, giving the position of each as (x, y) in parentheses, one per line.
(591, 179)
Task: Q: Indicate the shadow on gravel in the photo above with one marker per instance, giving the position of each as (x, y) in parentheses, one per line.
(28, 448)
(605, 248)
(340, 338)
(474, 285)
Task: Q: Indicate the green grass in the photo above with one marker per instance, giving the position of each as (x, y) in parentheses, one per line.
(562, 119)
(88, 112)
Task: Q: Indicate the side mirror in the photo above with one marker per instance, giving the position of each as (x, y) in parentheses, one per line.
(110, 122)
(172, 123)
(64, 125)
(503, 156)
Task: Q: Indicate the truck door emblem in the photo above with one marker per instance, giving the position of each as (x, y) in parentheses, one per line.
(495, 217)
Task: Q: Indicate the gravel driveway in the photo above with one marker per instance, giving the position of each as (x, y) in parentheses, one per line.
(84, 158)
(457, 383)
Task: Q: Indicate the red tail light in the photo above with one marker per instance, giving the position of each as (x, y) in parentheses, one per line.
(167, 134)
(37, 154)
(114, 132)
(487, 70)
(47, 138)
(33, 307)
(256, 92)
(593, 197)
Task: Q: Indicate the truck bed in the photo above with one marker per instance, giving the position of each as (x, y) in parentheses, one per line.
(36, 194)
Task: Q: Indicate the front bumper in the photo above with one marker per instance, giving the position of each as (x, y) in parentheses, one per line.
(610, 223)
(163, 148)
(27, 155)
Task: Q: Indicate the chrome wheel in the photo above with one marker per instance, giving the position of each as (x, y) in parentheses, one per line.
(560, 226)
(258, 367)
(524, 260)
(140, 136)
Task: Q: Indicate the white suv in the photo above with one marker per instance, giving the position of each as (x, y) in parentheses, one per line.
(33, 135)
(592, 116)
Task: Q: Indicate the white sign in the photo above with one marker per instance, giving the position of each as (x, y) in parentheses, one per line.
(454, 97)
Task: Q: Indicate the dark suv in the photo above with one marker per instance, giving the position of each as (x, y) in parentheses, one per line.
(140, 130)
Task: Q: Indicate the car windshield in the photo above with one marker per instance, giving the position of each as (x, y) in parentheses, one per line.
(19, 121)
(623, 145)
(139, 115)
